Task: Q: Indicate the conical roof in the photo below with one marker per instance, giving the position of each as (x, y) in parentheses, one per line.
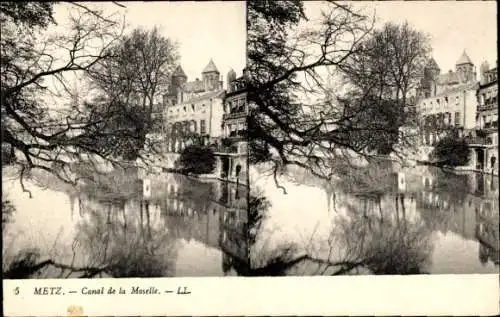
(464, 59)
(210, 67)
(179, 72)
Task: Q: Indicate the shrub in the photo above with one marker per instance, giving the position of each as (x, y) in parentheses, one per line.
(452, 151)
(197, 159)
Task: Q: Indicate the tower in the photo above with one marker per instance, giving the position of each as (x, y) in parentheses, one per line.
(431, 73)
(231, 76)
(465, 68)
(483, 72)
(177, 80)
(210, 77)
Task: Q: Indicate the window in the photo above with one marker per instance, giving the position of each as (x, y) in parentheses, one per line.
(184, 108)
(457, 118)
(192, 107)
(438, 101)
(202, 127)
(446, 100)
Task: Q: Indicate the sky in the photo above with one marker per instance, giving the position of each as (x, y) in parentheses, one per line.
(453, 26)
(204, 30)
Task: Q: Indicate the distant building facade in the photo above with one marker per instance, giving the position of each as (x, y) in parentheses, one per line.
(484, 140)
(232, 154)
(193, 108)
(447, 100)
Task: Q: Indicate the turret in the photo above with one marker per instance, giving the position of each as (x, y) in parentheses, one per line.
(174, 94)
(465, 68)
(211, 77)
(231, 76)
(482, 72)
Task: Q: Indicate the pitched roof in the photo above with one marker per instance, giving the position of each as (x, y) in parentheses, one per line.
(179, 72)
(210, 67)
(464, 59)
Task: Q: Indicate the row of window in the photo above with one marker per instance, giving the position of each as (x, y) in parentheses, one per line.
(234, 128)
(444, 101)
(234, 106)
(187, 126)
(187, 108)
(442, 119)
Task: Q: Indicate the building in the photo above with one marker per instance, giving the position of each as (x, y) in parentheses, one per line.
(193, 108)
(484, 140)
(232, 154)
(447, 100)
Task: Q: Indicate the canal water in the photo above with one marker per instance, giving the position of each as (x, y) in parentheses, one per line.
(127, 225)
(376, 220)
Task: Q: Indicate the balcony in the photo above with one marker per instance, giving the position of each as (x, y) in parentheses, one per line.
(487, 106)
(482, 137)
(234, 115)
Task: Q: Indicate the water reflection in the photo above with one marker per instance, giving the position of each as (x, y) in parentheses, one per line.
(384, 219)
(142, 226)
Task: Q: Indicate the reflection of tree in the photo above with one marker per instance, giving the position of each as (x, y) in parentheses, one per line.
(127, 243)
(384, 245)
(370, 236)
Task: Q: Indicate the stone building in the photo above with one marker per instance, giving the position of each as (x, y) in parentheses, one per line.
(484, 140)
(447, 100)
(232, 155)
(193, 108)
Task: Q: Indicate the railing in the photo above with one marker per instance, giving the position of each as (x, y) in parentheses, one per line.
(234, 115)
(479, 140)
(487, 106)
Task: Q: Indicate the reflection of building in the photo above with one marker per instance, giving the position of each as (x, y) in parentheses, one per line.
(487, 231)
(213, 213)
(232, 154)
(447, 100)
(194, 107)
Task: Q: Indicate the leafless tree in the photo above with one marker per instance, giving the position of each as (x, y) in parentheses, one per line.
(311, 104)
(139, 70)
(46, 131)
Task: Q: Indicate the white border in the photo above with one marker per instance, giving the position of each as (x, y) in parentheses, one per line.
(345, 295)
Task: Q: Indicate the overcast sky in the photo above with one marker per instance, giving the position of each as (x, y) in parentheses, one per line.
(453, 26)
(203, 30)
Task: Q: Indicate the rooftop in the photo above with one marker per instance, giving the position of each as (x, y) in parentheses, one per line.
(179, 72)
(464, 59)
(210, 67)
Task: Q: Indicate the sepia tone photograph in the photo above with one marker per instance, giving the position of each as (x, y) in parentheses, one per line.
(123, 139)
(373, 138)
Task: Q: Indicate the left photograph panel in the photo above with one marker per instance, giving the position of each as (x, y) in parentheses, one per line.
(123, 139)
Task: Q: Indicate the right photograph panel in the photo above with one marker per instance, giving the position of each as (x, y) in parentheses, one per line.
(373, 137)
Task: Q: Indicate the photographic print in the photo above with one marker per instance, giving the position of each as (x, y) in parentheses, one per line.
(182, 157)
(373, 138)
(123, 145)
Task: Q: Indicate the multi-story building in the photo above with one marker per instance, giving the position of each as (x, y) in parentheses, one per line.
(232, 155)
(193, 107)
(447, 100)
(484, 140)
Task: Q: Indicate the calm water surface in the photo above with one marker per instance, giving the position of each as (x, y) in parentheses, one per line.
(390, 220)
(154, 226)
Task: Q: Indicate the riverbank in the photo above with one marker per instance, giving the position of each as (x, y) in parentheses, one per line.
(202, 177)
